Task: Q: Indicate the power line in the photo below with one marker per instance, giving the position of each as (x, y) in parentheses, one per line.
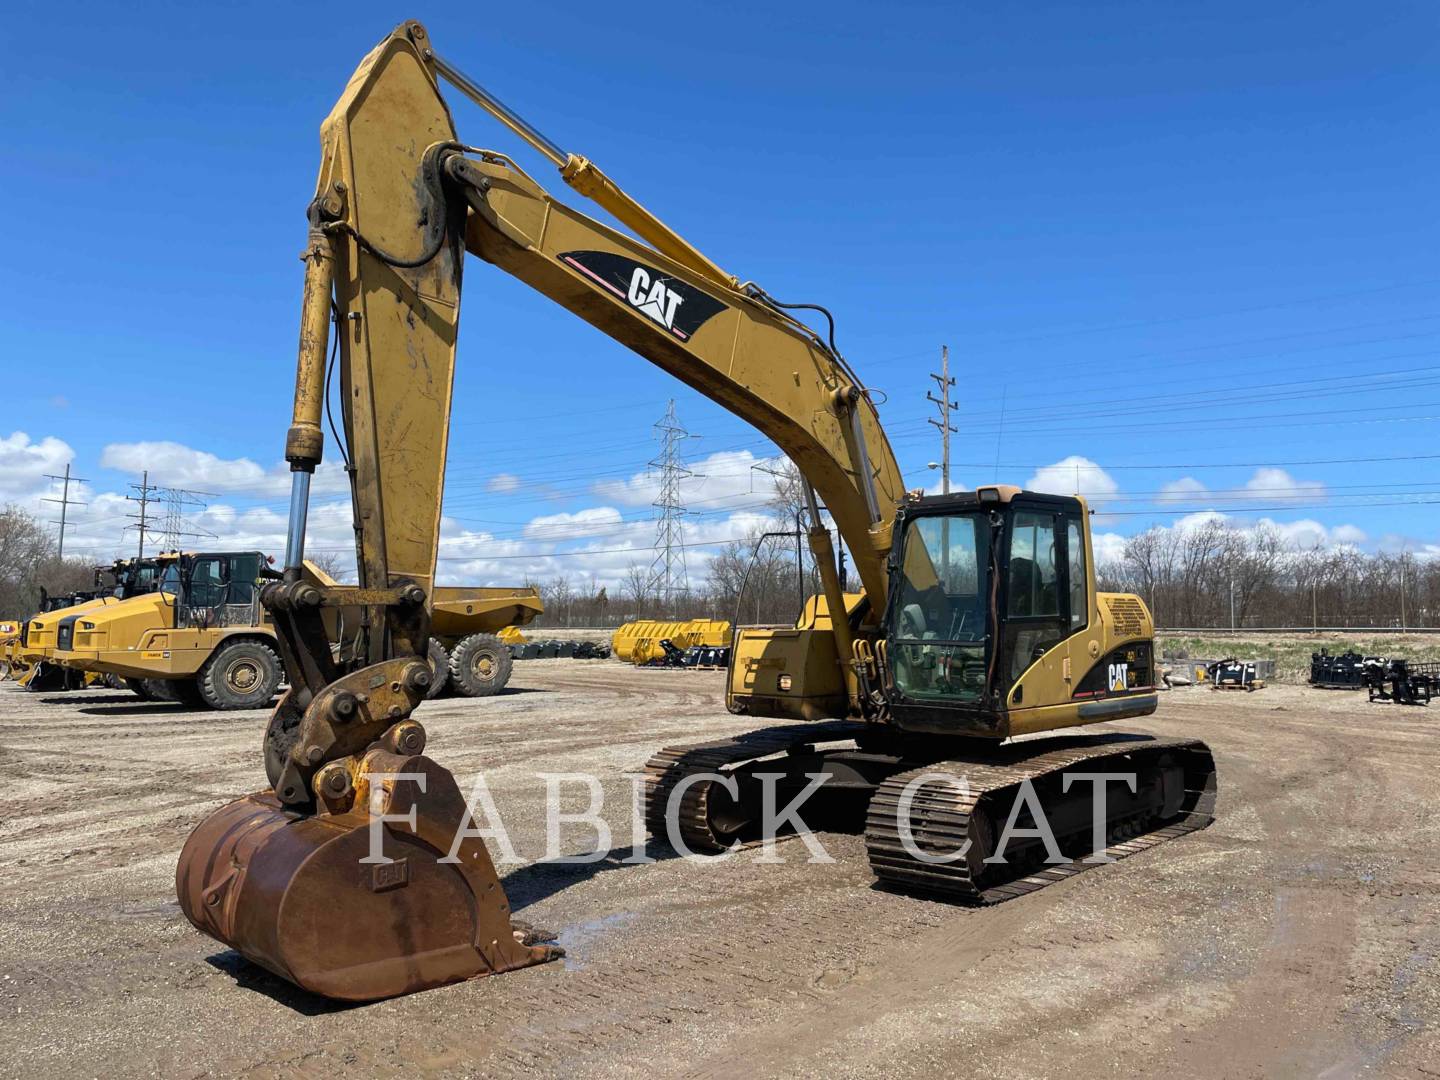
(65, 503)
(143, 518)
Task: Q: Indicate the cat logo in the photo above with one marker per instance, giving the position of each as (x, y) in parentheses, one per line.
(653, 298)
(1119, 678)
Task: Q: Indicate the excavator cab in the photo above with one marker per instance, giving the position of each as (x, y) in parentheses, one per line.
(994, 625)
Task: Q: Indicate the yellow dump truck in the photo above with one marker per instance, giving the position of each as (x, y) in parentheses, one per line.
(32, 653)
(469, 649)
(638, 642)
(202, 637)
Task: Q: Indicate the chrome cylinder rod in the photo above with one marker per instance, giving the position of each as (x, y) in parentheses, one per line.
(299, 510)
(867, 476)
(502, 112)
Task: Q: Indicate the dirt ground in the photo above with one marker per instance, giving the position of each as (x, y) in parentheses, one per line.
(1298, 936)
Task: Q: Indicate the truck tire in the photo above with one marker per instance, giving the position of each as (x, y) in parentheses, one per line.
(242, 674)
(140, 688)
(480, 665)
(158, 690)
(188, 693)
(439, 670)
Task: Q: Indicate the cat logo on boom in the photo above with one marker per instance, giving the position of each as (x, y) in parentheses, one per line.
(666, 300)
(653, 298)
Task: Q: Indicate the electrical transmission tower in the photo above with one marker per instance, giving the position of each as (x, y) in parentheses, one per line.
(174, 527)
(667, 573)
(65, 503)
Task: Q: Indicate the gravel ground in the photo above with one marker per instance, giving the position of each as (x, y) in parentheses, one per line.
(1298, 936)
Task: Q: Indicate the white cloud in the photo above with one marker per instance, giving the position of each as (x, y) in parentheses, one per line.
(1305, 533)
(728, 478)
(1186, 489)
(173, 464)
(1348, 534)
(24, 464)
(1198, 520)
(502, 483)
(1108, 547)
(1277, 485)
(1075, 475)
(598, 520)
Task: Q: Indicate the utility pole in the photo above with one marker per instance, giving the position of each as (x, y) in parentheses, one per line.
(65, 503)
(1403, 553)
(667, 573)
(1232, 603)
(946, 407)
(145, 488)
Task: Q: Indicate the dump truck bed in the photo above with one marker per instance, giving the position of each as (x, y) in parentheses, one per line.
(463, 610)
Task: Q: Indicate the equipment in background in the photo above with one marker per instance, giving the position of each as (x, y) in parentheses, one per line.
(641, 641)
(32, 654)
(1405, 682)
(1347, 671)
(1233, 674)
(473, 634)
(553, 648)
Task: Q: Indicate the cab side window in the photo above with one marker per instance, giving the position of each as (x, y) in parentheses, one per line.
(207, 582)
(1034, 577)
(1079, 595)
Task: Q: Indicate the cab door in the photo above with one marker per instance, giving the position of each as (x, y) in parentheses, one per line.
(1037, 603)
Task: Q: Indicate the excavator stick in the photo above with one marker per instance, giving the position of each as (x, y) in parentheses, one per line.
(354, 876)
(357, 905)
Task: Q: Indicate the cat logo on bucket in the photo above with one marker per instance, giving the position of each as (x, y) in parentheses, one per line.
(1119, 678)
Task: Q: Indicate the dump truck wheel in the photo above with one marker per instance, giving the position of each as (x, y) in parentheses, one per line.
(188, 693)
(158, 690)
(480, 665)
(140, 688)
(439, 670)
(244, 674)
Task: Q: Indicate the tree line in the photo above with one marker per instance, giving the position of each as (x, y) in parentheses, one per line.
(1217, 575)
(30, 562)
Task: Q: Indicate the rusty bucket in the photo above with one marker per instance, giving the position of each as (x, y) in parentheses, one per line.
(304, 896)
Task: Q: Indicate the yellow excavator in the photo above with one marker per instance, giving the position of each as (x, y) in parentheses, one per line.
(979, 620)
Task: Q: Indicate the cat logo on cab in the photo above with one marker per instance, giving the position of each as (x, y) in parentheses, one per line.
(1119, 678)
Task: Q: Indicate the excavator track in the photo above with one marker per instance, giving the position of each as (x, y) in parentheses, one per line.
(698, 812)
(974, 800)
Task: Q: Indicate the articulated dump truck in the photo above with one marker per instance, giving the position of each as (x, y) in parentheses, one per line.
(202, 638)
(30, 654)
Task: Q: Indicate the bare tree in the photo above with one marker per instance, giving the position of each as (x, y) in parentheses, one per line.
(28, 565)
(333, 563)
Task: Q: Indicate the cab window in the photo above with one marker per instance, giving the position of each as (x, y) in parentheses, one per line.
(1075, 554)
(207, 581)
(1033, 578)
(170, 580)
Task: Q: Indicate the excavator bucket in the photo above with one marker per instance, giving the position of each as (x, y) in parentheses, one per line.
(358, 905)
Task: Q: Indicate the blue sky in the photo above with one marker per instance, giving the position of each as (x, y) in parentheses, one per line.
(1192, 245)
